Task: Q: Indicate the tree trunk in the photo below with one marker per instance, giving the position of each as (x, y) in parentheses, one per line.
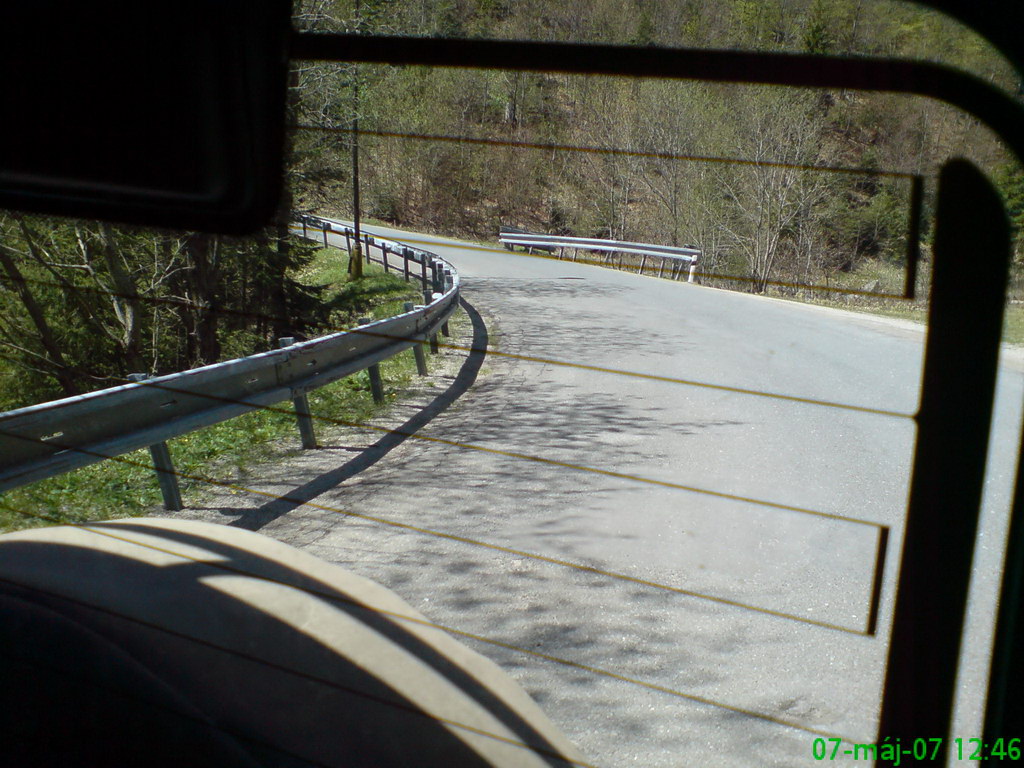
(204, 282)
(62, 372)
(126, 304)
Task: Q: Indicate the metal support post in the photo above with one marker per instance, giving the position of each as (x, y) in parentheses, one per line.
(417, 348)
(643, 264)
(427, 298)
(326, 230)
(301, 403)
(405, 264)
(661, 269)
(163, 465)
(376, 383)
(166, 476)
(348, 242)
(304, 232)
(384, 256)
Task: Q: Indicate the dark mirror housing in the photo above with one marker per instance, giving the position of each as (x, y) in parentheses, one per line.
(164, 112)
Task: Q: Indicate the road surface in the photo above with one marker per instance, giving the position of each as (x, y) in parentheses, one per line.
(677, 565)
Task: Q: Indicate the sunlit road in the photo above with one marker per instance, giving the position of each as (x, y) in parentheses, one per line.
(745, 524)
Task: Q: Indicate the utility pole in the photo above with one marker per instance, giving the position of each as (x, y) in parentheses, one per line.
(355, 261)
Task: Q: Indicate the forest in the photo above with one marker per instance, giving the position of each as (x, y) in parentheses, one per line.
(784, 190)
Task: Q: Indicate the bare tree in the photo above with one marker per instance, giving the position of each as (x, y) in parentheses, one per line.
(767, 194)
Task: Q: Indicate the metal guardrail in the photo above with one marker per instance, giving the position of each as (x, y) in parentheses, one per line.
(51, 438)
(510, 236)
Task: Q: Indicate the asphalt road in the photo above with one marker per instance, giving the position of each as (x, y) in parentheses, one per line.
(726, 540)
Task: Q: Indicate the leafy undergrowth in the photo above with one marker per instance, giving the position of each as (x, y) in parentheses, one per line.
(126, 486)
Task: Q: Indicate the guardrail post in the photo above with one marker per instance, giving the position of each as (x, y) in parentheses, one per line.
(301, 403)
(423, 269)
(376, 383)
(304, 232)
(369, 242)
(163, 465)
(348, 242)
(326, 230)
(693, 270)
(427, 298)
(417, 348)
(448, 283)
(661, 269)
(643, 263)
(405, 264)
(384, 256)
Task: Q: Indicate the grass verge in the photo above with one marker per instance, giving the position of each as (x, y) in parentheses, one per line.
(877, 277)
(126, 486)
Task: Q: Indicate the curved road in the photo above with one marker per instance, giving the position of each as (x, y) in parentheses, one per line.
(724, 540)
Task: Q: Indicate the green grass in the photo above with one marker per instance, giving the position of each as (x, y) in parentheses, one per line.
(1013, 324)
(888, 279)
(126, 486)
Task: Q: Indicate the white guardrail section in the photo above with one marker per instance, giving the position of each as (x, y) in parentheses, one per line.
(510, 237)
(51, 438)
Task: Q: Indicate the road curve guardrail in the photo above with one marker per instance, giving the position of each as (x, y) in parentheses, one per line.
(51, 438)
(527, 239)
(681, 256)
